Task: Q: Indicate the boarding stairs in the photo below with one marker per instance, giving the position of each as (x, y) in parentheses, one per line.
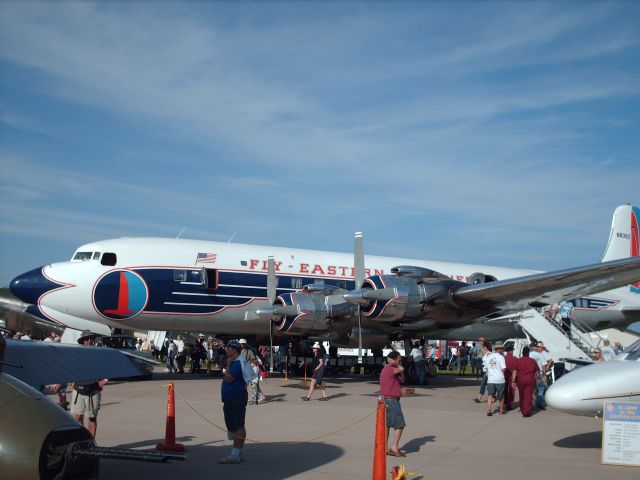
(577, 345)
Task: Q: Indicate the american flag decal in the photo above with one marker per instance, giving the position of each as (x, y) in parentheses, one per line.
(206, 258)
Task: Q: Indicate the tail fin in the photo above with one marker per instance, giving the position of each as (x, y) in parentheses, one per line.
(623, 239)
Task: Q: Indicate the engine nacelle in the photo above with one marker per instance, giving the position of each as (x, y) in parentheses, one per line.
(479, 278)
(308, 312)
(408, 299)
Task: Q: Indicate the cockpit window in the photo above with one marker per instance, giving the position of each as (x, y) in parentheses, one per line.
(96, 255)
(82, 256)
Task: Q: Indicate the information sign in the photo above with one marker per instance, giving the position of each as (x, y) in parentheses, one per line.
(621, 433)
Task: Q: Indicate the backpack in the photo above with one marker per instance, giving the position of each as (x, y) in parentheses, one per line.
(247, 370)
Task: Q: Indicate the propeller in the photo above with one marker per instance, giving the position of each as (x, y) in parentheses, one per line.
(359, 273)
(272, 283)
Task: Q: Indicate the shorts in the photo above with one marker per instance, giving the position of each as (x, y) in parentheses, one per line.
(496, 390)
(87, 405)
(395, 418)
(235, 410)
(476, 362)
(318, 376)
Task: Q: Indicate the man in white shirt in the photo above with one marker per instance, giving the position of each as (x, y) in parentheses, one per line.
(420, 363)
(453, 362)
(546, 364)
(607, 351)
(495, 377)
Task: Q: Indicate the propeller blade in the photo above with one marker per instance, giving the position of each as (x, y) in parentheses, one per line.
(358, 260)
(272, 281)
(359, 337)
(270, 347)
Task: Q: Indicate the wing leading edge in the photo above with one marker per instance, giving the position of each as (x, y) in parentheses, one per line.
(541, 289)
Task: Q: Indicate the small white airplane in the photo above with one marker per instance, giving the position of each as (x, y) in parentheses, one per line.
(584, 390)
(251, 290)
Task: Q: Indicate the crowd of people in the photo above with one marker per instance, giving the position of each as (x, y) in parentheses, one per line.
(503, 377)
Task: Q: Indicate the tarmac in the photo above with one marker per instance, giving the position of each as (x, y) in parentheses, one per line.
(447, 435)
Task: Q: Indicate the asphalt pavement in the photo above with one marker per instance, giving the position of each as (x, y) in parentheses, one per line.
(447, 435)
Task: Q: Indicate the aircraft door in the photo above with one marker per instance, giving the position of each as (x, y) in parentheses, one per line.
(209, 278)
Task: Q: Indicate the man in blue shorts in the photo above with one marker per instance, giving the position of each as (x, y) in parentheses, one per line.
(234, 399)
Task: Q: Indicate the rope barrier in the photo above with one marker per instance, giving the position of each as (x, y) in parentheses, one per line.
(298, 442)
(408, 474)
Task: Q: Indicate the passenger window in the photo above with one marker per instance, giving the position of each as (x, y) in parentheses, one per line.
(209, 278)
(109, 259)
(180, 275)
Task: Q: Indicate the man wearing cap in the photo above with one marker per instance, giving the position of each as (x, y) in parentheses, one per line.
(318, 367)
(495, 377)
(546, 364)
(234, 399)
(85, 399)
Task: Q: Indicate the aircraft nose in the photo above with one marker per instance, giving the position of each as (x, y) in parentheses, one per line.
(570, 395)
(29, 286)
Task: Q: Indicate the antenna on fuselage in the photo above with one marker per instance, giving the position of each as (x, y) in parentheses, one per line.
(234, 234)
(181, 232)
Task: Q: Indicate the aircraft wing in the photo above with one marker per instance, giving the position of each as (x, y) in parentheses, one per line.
(577, 361)
(44, 363)
(541, 289)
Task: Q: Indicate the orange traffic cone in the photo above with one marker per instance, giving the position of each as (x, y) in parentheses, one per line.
(380, 448)
(169, 444)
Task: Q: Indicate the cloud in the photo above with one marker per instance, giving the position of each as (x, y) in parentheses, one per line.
(427, 127)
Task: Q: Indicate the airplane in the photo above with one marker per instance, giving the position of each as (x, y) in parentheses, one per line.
(262, 292)
(584, 390)
(38, 439)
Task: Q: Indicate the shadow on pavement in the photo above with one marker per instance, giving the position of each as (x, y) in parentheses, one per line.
(414, 445)
(273, 461)
(582, 440)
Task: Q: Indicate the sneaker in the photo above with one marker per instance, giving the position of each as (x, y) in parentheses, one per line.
(262, 399)
(230, 460)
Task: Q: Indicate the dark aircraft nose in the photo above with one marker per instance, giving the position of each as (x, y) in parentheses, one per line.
(29, 286)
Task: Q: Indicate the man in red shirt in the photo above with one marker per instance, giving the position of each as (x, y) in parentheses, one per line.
(390, 377)
(511, 361)
(527, 374)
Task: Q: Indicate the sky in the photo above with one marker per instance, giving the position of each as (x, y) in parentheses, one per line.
(495, 133)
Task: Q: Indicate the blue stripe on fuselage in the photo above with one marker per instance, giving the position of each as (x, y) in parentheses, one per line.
(167, 295)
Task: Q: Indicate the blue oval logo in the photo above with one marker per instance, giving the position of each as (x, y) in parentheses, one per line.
(120, 294)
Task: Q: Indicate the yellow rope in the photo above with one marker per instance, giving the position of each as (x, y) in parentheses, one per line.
(288, 443)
